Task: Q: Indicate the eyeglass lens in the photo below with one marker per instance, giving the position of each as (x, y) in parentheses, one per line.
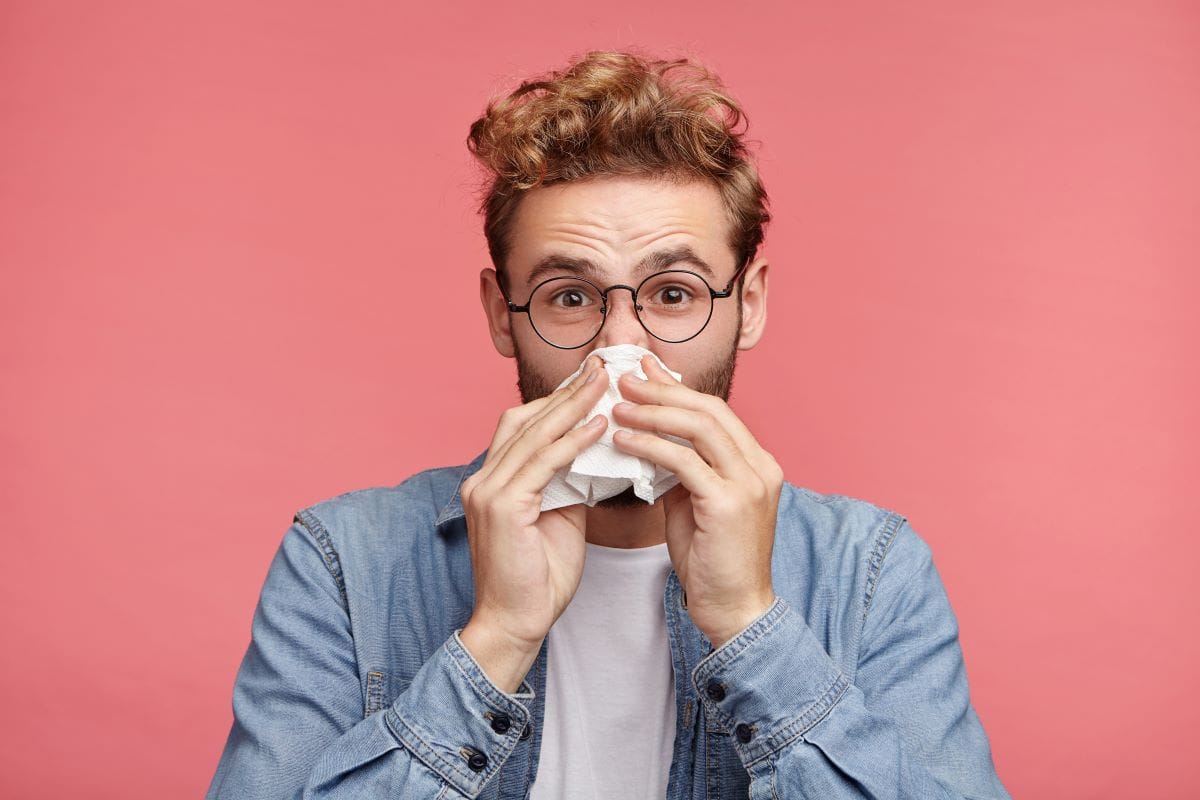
(568, 312)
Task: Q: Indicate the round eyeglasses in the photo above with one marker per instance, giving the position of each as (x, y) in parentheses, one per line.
(673, 306)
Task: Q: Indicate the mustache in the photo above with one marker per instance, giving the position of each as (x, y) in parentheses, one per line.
(716, 380)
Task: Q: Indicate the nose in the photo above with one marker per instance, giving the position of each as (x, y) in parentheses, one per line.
(621, 325)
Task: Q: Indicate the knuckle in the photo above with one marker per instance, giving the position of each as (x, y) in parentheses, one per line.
(540, 456)
(774, 472)
(511, 417)
(488, 505)
(524, 428)
(474, 499)
(477, 492)
(584, 432)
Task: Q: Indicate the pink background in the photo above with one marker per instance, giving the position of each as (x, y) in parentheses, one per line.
(239, 255)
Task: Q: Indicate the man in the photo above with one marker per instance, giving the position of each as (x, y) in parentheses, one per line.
(739, 637)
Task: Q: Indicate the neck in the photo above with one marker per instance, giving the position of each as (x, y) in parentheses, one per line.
(642, 525)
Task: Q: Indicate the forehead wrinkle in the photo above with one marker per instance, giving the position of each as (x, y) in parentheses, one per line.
(603, 232)
(608, 225)
(644, 240)
(581, 235)
(589, 237)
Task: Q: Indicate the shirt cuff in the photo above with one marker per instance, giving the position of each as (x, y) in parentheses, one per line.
(456, 721)
(770, 683)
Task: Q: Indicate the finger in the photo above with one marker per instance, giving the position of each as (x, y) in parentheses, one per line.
(555, 399)
(655, 372)
(590, 366)
(710, 440)
(537, 471)
(682, 396)
(697, 476)
(514, 421)
(550, 426)
(521, 418)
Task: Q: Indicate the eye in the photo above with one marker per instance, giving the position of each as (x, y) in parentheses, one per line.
(672, 295)
(675, 291)
(570, 298)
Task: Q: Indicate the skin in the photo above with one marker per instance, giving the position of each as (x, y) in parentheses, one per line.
(718, 523)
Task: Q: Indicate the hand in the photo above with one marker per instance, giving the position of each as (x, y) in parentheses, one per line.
(721, 517)
(527, 563)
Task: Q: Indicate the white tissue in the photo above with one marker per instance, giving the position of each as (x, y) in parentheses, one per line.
(602, 470)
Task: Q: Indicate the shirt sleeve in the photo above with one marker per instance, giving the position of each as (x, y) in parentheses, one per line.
(298, 705)
(903, 727)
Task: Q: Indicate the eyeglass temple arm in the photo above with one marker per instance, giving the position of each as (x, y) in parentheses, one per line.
(513, 307)
(729, 287)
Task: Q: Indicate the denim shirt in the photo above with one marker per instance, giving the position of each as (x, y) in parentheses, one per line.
(355, 683)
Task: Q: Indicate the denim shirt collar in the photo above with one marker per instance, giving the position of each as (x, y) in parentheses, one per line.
(454, 508)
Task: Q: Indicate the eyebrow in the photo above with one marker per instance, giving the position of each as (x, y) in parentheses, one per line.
(655, 262)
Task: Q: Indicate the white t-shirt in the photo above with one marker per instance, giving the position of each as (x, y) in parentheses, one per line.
(609, 724)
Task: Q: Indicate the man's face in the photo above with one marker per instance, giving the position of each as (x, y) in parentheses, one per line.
(615, 223)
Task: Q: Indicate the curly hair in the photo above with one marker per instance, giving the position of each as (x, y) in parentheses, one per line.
(617, 113)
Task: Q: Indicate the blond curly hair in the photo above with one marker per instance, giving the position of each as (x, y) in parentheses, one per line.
(617, 113)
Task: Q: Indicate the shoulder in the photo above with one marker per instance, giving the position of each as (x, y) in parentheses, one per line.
(380, 515)
(836, 520)
(840, 535)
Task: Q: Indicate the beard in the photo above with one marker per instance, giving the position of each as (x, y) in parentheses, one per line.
(716, 381)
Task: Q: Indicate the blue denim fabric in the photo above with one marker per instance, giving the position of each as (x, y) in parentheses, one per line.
(355, 683)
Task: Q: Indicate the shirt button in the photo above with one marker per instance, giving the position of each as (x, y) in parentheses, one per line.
(526, 731)
(715, 692)
(501, 723)
(743, 732)
(477, 761)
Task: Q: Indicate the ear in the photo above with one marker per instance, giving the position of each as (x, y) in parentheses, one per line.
(754, 304)
(496, 309)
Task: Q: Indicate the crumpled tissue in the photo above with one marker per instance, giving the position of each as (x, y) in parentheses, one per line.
(602, 470)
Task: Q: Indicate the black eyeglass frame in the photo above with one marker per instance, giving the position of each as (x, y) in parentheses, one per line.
(715, 295)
